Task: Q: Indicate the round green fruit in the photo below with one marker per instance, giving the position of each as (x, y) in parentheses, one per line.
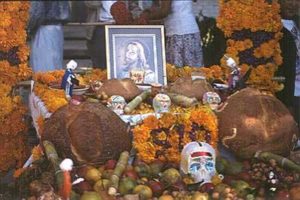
(126, 185)
(90, 196)
(143, 191)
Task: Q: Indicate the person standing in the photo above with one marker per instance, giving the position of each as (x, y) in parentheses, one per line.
(183, 41)
(290, 48)
(98, 11)
(46, 31)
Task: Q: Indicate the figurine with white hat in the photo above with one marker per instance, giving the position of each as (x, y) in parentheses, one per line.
(69, 79)
(235, 72)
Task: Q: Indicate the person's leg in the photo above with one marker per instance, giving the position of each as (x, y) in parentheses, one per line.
(296, 111)
(47, 48)
(174, 52)
(96, 48)
(192, 50)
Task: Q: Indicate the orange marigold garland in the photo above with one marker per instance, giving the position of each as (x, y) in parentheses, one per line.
(253, 41)
(13, 68)
(164, 138)
(55, 98)
(211, 73)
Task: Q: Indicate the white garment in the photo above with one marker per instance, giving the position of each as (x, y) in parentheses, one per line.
(104, 14)
(181, 19)
(291, 26)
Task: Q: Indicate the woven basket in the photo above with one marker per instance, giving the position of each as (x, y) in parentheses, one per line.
(87, 133)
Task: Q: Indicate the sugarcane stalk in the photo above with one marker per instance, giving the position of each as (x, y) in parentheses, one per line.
(118, 171)
(55, 161)
(182, 100)
(136, 101)
(280, 160)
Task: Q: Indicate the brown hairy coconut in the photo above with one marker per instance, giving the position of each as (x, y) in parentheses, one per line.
(252, 121)
(87, 133)
(125, 88)
(191, 88)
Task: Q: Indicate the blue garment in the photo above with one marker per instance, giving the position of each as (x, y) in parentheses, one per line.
(65, 84)
(45, 28)
(47, 12)
(47, 49)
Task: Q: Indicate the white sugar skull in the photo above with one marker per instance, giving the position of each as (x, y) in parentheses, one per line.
(212, 98)
(161, 103)
(198, 160)
(117, 104)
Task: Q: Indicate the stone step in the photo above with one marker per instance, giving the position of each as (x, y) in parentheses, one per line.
(75, 49)
(75, 32)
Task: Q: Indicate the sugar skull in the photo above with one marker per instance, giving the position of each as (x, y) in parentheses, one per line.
(211, 98)
(161, 103)
(198, 161)
(117, 104)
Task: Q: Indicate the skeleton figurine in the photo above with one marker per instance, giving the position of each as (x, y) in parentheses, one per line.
(69, 79)
(235, 72)
(161, 103)
(117, 104)
(198, 161)
(212, 99)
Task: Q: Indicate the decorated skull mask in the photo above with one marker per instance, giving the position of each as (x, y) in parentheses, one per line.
(211, 98)
(117, 104)
(198, 161)
(161, 103)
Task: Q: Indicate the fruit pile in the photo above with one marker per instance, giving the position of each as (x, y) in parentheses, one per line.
(262, 180)
(158, 180)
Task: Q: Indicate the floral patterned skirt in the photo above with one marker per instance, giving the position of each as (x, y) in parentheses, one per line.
(184, 50)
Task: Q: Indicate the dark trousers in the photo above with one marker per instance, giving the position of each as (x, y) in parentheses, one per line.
(96, 48)
(296, 111)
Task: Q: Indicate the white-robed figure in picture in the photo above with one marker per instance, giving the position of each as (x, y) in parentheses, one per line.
(136, 66)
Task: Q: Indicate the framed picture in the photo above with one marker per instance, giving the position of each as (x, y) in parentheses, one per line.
(136, 52)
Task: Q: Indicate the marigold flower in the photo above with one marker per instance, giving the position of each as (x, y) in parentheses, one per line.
(165, 141)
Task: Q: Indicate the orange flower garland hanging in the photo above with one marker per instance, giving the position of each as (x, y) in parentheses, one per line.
(55, 98)
(253, 41)
(211, 73)
(164, 138)
(13, 68)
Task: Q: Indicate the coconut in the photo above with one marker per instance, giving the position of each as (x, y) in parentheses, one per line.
(252, 121)
(87, 133)
(191, 88)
